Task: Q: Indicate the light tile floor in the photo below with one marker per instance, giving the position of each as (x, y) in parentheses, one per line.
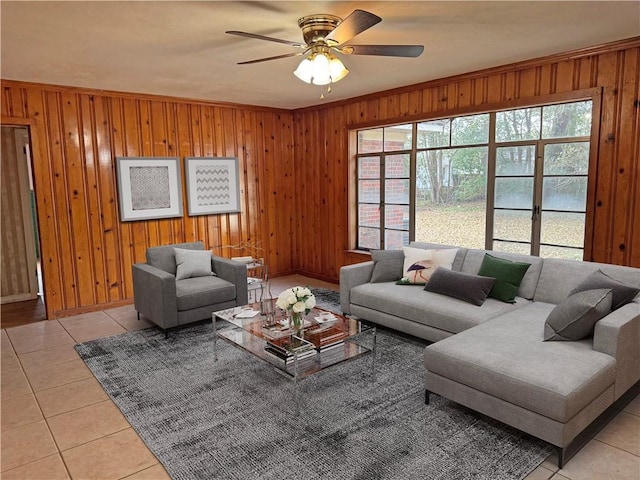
(58, 423)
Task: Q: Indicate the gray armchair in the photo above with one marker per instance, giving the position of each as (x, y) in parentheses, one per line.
(169, 303)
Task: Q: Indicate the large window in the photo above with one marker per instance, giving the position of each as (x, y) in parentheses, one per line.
(512, 180)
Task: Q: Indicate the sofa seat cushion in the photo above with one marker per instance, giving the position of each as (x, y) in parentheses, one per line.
(202, 291)
(506, 358)
(433, 309)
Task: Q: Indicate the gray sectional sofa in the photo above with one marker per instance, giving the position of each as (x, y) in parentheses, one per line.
(492, 358)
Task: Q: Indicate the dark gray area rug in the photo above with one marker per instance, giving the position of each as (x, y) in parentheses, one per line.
(234, 418)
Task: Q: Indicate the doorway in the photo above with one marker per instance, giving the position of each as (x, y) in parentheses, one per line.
(21, 277)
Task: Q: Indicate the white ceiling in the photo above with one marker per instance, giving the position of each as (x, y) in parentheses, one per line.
(180, 48)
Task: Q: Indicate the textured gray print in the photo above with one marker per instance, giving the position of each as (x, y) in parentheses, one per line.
(213, 185)
(150, 188)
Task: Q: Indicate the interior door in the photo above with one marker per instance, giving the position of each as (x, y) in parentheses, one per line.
(19, 265)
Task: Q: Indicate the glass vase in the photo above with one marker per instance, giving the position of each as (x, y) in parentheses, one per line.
(296, 322)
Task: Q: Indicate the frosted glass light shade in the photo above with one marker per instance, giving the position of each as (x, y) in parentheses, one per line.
(337, 69)
(304, 70)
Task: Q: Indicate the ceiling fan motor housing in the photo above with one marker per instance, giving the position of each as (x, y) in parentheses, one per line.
(316, 27)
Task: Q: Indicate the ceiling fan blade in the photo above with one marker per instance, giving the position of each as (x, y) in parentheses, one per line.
(356, 23)
(266, 59)
(383, 50)
(268, 39)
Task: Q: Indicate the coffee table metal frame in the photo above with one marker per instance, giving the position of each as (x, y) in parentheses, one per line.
(248, 334)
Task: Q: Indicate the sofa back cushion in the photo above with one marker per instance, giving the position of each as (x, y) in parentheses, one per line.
(458, 260)
(559, 277)
(527, 289)
(387, 265)
(164, 257)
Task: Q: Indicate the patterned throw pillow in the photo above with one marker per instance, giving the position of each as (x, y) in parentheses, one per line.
(420, 263)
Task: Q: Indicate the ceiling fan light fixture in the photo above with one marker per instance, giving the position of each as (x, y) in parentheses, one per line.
(321, 69)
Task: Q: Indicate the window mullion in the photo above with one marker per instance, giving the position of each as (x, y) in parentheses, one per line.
(383, 178)
(491, 183)
(413, 182)
(536, 214)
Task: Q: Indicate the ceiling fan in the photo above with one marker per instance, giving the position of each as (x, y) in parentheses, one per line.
(324, 34)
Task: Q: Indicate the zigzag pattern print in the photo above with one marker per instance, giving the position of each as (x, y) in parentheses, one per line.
(213, 185)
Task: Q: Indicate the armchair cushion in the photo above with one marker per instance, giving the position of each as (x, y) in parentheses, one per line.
(164, 257)
(192, 263)
(202, 291)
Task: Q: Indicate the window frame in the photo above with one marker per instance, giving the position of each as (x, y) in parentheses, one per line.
(592, 94)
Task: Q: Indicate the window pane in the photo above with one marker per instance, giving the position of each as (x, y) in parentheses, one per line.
(396, 216)
(521, 124)
(442, 224)
(369, 215)
(433, 134)
(369, 167)
(369, 191)
(512, 225)
(397, 137)
(559, 252)
(368, 237)
(396, 191)
(370, 140)
(566, 159)
(470, 130)
(395, 239)
(451, 190)
(567, 120)
(563, 228)
(514, 193)
(508, 247)
(397, 166)
(564, 193)
(515, 160)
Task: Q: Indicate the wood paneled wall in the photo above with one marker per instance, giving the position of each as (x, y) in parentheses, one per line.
(87, 251)
(294, 167)
(321, 143)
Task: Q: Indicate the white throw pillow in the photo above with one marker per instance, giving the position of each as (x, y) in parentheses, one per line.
(420, 263)
(192, 263)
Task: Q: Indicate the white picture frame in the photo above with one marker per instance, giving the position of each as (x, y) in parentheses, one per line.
(149, 188)
(213, 185)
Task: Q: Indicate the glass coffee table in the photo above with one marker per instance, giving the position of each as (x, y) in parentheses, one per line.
(320, 344)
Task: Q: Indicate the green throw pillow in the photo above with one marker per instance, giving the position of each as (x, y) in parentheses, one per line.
(508, 276)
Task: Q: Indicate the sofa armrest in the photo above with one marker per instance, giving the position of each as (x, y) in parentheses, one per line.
(154, 293)
(618, 335)
(352, 276)
(235, 273)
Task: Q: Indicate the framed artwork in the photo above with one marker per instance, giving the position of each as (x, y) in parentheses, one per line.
(149, 188)
(213, 185)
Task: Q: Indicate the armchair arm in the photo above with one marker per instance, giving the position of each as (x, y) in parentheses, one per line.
(235, 273)
(154, 293)
(618, 335)
(352, 276)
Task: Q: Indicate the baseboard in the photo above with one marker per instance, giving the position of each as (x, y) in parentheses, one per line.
(90, 308)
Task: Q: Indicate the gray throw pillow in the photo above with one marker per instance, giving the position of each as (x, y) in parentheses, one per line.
(192, 263)
(622, 294)
(463, 286)
(388, 265)
(575, 317)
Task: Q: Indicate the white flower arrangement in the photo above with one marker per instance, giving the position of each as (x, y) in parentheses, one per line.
(297, 299)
